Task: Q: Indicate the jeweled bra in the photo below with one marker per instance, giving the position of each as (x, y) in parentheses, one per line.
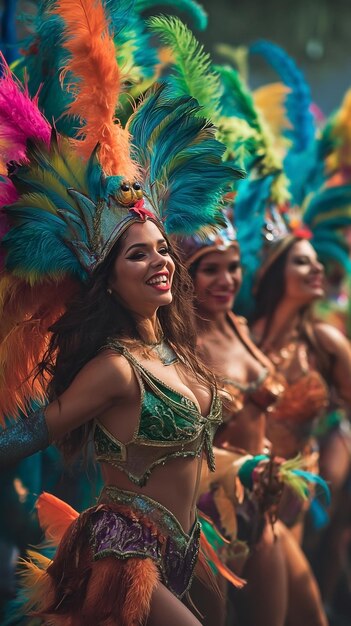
(169, 426)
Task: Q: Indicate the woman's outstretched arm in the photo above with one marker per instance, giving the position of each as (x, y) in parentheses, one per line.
(97, 387)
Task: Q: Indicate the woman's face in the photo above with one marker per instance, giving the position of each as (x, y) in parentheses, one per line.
(304, 274)
(217, 280)
(143, 270)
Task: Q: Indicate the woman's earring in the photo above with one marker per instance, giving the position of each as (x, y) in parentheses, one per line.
(109, 291)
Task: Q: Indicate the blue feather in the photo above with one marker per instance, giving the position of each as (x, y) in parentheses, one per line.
(327, 200)
(316, 480)
(298, 101)
(249, 218)
(183, 159)
(196, 12)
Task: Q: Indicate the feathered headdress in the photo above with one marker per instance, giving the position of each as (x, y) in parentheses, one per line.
(319, 205)
(73, 198)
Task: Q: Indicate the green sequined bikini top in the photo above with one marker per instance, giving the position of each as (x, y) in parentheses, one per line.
(170, 425)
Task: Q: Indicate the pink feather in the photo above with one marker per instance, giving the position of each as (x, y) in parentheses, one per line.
(20, 119)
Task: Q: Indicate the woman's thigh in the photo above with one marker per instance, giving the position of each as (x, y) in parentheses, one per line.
(167, 609)
(305, 604)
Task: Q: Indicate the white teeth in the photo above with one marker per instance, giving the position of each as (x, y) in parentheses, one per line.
(158, 280)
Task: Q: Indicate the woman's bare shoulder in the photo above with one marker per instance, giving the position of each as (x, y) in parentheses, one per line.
(331, 338)
(110, 371)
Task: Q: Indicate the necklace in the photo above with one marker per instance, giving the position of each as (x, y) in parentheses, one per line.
(164, 351)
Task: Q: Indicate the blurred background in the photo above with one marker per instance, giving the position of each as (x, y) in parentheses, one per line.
(316, 33)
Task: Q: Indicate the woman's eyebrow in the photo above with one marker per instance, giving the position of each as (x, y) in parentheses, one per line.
(143, 245)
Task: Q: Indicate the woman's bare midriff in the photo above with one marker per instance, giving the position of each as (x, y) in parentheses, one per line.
(245, 430)
(174, 485)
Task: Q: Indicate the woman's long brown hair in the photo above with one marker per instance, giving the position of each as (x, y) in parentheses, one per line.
(94, 316)
(271, 291)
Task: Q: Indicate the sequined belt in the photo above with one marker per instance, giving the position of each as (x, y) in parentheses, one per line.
(137, 526)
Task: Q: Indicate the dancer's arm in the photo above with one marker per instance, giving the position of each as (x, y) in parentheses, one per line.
(97, 387)
(338, 347)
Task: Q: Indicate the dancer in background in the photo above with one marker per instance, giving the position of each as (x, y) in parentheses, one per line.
(252, 389)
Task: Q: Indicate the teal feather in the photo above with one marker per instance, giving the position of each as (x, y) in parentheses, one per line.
(330, 249)
(318, 515)
(236, 99)
(195, 11)
(298, 101)
(46, 220)
(327, 200)
(237, 102)
(183, 161)
(249, 217)
(316, 480)
(44, 57)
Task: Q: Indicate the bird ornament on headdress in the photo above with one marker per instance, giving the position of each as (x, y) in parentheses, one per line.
(66, 201)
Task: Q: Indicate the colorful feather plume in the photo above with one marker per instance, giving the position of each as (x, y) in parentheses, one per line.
(94, 77)
(55, 517)
(195, 11)
(298, 100)
(340, 157)
(182, 161)
(300, 481)
(237, 102)
(38, 219)
(20, 119)
(290, 473)
(327, 213)
(270, 100)
(190, 73)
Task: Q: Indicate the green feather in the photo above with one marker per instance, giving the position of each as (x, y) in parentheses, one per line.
(191, 72)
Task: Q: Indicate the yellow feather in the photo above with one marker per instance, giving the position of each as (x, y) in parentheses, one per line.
(51, 182)
(341, 155)
(35, 580)
(226, 510)
(38, 201)
(270, 100)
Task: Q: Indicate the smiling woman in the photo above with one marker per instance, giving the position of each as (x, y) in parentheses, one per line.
(313, 356)
(143, 271)
(113, 358)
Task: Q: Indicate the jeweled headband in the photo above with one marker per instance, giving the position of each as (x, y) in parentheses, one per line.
(193, 248)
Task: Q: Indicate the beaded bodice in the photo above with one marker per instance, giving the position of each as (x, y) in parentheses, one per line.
(264, 391)
(169, 426)
(306, 393)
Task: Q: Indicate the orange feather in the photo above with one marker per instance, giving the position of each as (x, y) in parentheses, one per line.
(26, 315)
(55, 516)
(96, 84)
(212, 556)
